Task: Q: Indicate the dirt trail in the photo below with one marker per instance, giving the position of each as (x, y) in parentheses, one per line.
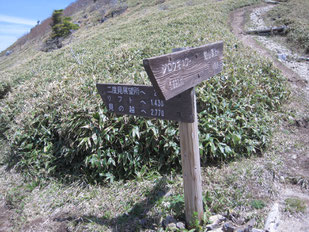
(296, 159)
(237, 25)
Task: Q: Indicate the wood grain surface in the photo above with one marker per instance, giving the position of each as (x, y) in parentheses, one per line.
(176, 72)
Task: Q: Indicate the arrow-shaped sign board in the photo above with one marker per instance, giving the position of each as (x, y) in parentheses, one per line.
(176, 72)
(141, 100)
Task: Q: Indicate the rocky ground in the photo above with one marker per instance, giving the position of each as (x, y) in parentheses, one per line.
(284, 55)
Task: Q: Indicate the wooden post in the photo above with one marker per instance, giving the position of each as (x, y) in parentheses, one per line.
(191, 168)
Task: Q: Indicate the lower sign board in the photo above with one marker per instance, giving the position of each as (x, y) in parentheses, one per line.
(141, 100)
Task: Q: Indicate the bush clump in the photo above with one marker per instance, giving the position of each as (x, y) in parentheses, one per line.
(61, 26)
(5, 87)
(233, 122)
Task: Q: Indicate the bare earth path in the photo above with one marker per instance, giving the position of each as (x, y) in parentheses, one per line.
(295, 149)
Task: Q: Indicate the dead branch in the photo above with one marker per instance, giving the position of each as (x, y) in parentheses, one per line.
(271, 31)
(271, 2)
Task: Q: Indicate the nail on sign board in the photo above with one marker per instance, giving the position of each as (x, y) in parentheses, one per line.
(176, 72)
(143, 101)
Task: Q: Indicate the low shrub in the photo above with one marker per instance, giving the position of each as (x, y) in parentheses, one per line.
(99, 145)
(5, 87)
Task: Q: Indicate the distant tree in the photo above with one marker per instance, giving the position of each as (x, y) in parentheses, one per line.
(61, 26)
(57, 17)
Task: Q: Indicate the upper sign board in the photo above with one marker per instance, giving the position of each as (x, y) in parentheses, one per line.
(141, 100)
(176, 72)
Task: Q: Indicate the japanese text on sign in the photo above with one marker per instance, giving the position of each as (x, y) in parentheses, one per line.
(143, 101)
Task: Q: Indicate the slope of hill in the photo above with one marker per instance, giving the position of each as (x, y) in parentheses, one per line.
(54, 126)
(55, 123)
(80, 10)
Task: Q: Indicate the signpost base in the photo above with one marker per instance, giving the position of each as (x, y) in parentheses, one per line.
(191, 168)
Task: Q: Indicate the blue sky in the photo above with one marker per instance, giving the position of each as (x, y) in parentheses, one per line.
(17, 17)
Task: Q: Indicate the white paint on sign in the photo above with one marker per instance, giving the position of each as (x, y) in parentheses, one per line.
(121, 108)
(211, 54)
(145, 102)
(157, 102)
(111, 107)
(176, 83)
(132, 109)
(175, 66)
(157, 112)
(123, 90)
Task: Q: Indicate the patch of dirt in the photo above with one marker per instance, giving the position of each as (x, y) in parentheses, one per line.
(293, 138)
(296, 221)
(5, 217)
(57, 224)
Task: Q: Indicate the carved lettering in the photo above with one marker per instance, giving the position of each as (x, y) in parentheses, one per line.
(157, 113)
(132, 109)
(216, 65)
(142, 101)
(211, 54)
(173, 73)
(120, 108)
(157, 102)
(175, 66)
(111, 107)
(175, 83)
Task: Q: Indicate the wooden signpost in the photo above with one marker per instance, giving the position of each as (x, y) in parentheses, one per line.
(172, 97)
(174, 73)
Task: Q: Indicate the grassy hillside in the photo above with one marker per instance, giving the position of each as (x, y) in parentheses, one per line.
(54, 124)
